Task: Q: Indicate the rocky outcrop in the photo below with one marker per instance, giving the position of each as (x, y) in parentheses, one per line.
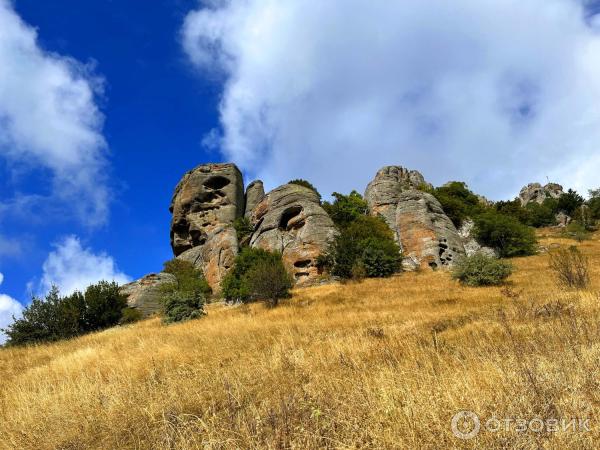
(535, 192)
(205, 203)
(427, 236)
(562, 220)
(470, 243)
(255, 192)
(290, 220)
(145, 294)
(383, 193)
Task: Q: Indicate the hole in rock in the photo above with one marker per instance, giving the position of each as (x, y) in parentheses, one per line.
(433, 265)
(303, 263)
(301, 274)
(216, 183)
(288, 215)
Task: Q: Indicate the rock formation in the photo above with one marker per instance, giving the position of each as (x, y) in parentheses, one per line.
(290, 220)
(426, 235)
(382, 194)
(145, 294)
(255, 192)
(535, 192)
(470, 243)
(205, 203)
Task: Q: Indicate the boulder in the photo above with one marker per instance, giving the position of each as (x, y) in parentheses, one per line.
(255, 192)
(383, 193)
(145, 294)
(290, 220)
(562, 220)
(535, 192)
(205, 203)
(470, 243)
(427, 236)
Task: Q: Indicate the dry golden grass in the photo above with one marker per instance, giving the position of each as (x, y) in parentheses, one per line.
(381, 364)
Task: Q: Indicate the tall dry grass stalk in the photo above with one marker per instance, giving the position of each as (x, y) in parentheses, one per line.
(379, 364)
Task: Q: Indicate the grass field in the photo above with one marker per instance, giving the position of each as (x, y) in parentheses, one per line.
(380, 364)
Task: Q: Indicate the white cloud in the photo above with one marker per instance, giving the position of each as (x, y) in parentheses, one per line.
(72, 267)
(9, 307)
(498, 93)
(49, 121)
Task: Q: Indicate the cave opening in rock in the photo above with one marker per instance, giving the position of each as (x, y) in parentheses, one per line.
(288, 215)
(303, 264)
(216, 183)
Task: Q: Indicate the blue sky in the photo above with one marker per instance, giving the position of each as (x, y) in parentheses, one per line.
(156, 111)
(104, 109)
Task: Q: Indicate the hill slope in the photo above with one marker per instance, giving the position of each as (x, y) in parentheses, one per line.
(381, 364)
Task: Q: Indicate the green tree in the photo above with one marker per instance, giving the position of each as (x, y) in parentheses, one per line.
(345, 209)
(367, 242)
(104, 306)
(241, 283)
(540, 215)
(505, 234)
(569, 202)
(457, 201)
(268, 280)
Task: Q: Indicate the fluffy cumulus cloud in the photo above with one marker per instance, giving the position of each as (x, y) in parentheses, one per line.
(494, 92)
(71, 267)
(9, 307)
(50, 124)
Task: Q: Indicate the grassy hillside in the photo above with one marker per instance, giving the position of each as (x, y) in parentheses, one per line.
(381, 364)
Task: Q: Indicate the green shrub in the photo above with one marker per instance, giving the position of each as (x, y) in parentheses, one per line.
(569, 202)
(54, 317)
(514, 209)
(184, 299)
(571, 268)
(345, 209)
(575, 230)
(541, 215)
(368, 242)
(268, 280)
(181, 306)
(244, 229)
(594, 203)
(104, 306)
(505, 234)
(188, 278)
(130, 315)
(481, 270)
(241, 283)
(458, 201)
(306, 184)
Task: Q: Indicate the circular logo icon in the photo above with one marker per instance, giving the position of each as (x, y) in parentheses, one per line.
(465, 425)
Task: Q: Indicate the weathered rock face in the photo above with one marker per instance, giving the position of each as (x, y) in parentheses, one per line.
(205, 203)
(216, 256)
(291, 220)
(255, 192)
(470, 243)
(383, 193)
(145, 294)
(427, 235)
(535, 192)
(562, 219)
